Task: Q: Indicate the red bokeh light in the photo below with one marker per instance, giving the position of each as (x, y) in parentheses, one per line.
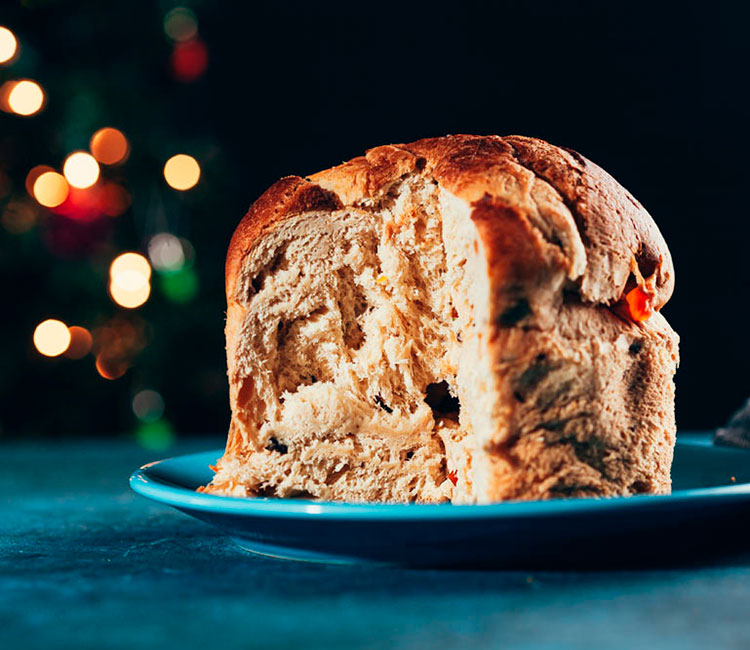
(81, 205)
(189, 60)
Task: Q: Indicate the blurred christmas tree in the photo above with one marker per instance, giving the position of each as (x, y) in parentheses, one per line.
(109, 253)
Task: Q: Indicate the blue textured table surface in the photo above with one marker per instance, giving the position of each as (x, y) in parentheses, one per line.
(85, 563)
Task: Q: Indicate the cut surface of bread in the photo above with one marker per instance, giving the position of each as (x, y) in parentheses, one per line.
(448, 320)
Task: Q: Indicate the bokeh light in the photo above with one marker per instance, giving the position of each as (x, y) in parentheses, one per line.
(81, 169)
(189, 60)
(18, 216)
(180, 286)
(8, 45)
(129, 277)
(127, 293)
(180, 24)
(148, 405)
(81, 205)
(33, 174)
(109, 146)
(182, 172)
(130, 262)
(51, 337)
(166, 253)
(114, 199)
(111, 368)
(155, 436)
(116, 343)
(80, 342)
(50, 189)
(26, 97)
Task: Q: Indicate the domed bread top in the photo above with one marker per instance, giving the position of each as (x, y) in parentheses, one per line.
(546, 215)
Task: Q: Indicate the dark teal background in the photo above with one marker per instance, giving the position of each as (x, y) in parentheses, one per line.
(87, 564)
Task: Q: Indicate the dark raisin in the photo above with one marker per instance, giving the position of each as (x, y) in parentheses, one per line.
(635, 347)
(440, 400)
(379, 401)
(275, 445)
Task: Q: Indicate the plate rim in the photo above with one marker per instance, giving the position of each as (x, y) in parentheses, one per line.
(144, 482)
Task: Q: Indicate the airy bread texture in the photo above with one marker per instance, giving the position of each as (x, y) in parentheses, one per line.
(444, 321)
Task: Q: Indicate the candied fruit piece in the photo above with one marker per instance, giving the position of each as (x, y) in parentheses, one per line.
(640, 306)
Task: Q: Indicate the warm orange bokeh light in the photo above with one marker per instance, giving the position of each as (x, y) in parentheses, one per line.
(182, 172)
(129, 277)
(80, 342)
(8, 45)
(25, 97)
(130, 290)
(116, 344)
(51, 337)
(50, 189)
(110, 368)
(33, 174)
(81, 169)
(109, 146)
(130, 262)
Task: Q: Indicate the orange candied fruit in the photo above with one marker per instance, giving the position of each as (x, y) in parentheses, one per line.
(639, 302)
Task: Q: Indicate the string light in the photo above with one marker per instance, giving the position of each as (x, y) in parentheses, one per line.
(109, 146)
(51, 337)
(81, 169)
(80, 342)
(26, 97)
(8, 45)
(50, 189)
(129, 277)
(182, 172)
(180, 24)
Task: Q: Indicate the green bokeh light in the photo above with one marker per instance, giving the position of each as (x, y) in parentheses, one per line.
(156, 436)
(179, 286)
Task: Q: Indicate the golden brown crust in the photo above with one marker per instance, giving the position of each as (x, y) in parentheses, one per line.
(614, 226)
(496, 175)
(287, 197)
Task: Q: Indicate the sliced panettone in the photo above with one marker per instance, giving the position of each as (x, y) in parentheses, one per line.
(462, 318)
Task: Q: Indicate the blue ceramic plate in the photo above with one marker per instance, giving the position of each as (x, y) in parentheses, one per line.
(706, 513)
